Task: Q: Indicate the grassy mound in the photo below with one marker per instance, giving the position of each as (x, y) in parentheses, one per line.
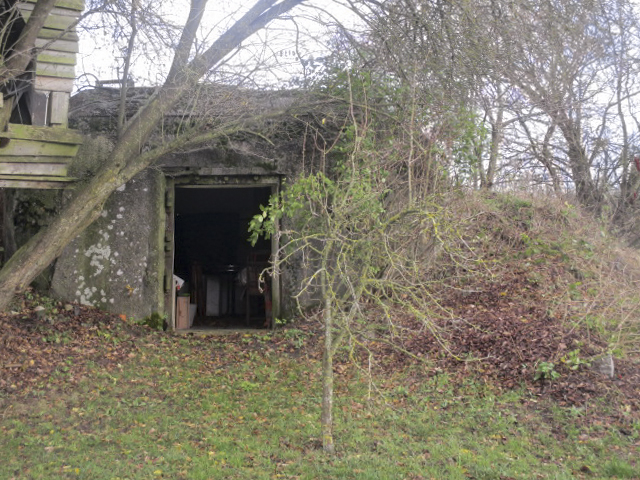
(525, 292)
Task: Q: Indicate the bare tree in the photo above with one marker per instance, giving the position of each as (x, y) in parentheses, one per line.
(127, 158)
(558, 75)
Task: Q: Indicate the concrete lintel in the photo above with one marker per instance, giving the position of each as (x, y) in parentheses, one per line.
(203, 181)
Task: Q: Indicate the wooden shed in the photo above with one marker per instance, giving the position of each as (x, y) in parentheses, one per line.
(36, 147)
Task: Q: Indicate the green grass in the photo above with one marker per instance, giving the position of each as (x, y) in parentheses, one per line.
(245, 409)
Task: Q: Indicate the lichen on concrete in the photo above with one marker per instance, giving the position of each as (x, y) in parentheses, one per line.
(113, 264)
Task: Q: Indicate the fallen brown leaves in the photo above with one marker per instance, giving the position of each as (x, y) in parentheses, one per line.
(38, 348)
(501, 330)
(498, 331)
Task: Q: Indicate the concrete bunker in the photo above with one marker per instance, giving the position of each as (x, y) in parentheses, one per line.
(208, 249)
(188, 214)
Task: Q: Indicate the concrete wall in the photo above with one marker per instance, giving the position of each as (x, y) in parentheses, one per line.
(117, 264)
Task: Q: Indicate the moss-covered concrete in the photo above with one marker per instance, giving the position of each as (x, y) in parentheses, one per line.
(94, 152)
(119, 262)
(116, 264)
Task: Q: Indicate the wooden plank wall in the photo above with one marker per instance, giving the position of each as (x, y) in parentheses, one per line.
(38, 155)
(55, 67)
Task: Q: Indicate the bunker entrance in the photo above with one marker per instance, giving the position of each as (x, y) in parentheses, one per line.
(219, 267)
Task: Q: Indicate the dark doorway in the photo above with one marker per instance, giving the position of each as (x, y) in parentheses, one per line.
(217, 263)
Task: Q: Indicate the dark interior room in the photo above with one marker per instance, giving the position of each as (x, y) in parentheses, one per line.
(215, 259)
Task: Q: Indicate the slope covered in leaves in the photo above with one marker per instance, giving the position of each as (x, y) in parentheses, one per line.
(527, 292)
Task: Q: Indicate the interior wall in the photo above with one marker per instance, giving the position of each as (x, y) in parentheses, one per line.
(211, 226)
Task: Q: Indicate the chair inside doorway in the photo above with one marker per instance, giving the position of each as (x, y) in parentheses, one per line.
(257, 291)
(222, 269)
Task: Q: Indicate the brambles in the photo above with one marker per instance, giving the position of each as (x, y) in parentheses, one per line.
(545, 371)
(573, 360)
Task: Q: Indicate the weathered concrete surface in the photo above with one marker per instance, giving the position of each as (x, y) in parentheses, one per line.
(117, 263)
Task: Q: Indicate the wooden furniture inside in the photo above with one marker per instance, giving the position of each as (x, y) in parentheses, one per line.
(182, 313)
(257, 287)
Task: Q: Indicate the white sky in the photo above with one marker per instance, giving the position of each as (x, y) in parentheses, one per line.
(270, 57)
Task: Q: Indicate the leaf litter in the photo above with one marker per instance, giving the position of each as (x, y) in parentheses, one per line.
(498, 331)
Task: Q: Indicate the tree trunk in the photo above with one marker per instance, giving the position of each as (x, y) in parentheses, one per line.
(20, 54)
(547, 160)
(124, 86)
(126, 161)
(586, 190)
(543, 154)
(8, 226)
(494, 151)
(326, 418)
(497, 127)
